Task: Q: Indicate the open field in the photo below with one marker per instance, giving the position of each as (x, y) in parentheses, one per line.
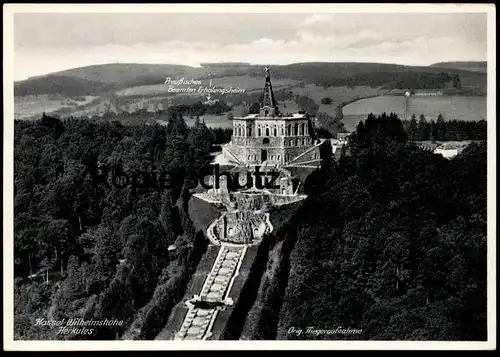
(212, 121)
(30, 105)
(451, 107)
(480, 66)
(337, 94)
(288, 106)
(148, 97)
(202, 213)
(150, 94)
(127, 88)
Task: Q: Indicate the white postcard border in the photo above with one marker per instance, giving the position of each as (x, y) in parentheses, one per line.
(8, 324)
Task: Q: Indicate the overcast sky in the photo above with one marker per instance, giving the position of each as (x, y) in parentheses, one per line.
(45, 43)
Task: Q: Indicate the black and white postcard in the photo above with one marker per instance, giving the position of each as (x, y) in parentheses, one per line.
(249, 176)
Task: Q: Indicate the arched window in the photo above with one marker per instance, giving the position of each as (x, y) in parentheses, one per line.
(303, 142)
(272, 157)
(296, 142)
(249, 157)
(249, 131)
(296, 129)
(288, 130)
(291, 142)
(279, 157)
(303, 129)
(266, 112)
(275, 133)
(267, 131)
(282, 133)
(260, 133)
(265, 141)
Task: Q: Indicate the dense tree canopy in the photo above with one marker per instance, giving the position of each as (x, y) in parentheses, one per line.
(95, 249)
(392, 240)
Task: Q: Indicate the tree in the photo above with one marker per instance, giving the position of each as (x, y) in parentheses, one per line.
(106, 247)
(397, 246)
(167, 217)
(72, 288)
(326, 101)
(432, 131)
(423, 130)
(254, 108)
(413, 128)
(440, 128)
(456, 81)
(61, 212)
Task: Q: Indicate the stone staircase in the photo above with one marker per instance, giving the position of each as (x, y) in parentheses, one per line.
(234, 158)
(216, 288)
(295, 161)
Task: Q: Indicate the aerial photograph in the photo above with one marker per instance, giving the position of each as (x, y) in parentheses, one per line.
(269, 176)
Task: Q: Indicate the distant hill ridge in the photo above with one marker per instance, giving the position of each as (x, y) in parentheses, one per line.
(98, 79)
(58, 84)
(475, 66)
(124, 72)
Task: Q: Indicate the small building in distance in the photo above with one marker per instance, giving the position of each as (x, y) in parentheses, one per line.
(338, 144)
(448, 149)
(210, 101)
(416, 92)
(428, 93)
(342, 138)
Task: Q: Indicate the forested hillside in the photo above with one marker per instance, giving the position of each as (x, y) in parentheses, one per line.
(453, 130)
(99, 252)
(98, 79)
(391, 240)
(474, 66)
(67, 85)
(389, 76)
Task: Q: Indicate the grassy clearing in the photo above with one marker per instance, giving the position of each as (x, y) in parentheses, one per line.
(202, 213)
(31, 105)
(337, 94)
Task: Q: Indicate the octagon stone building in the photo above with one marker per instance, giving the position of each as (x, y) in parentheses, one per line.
(271, 138)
